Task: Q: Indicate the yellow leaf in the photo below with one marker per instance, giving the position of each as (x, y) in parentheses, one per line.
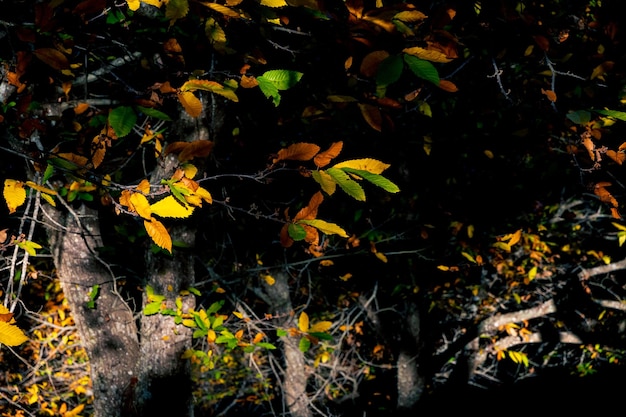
(503, 246)
(221, 9)
(297, 152)
(381, 256)
(40, 188)
(141, 205)
(238, 315)
(171, 207)
(158, 233)
(11, 335)
(258, 337)
(269, 279)
(320, 327)
(14, 194)
(303, 322)
(323, 158)
(532, 273)
(190, 170)
(468, 257)
(427, 54)
(325, 227)
(367, 164)
(328, 184)
(191, 103)
(274, 3)
(49, 199)
(211, 336)
(74, 411)
(514, 238)
(133, 4)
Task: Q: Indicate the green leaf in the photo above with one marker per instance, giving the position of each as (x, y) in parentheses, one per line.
(194, 291)
(322, 336)
(157, 114)
(325, 227)
(304, 345)
(282, 79)
(619, 115)
(296, 232)
(215, 307)
(349, 186)
(325, 181)
(580, 117)
(29, 247)
(122, 119)
(152, 308)
(266, 345)
(375, 179)
(176, 9)
(422, 69)
(389, 70)
(281, 332)
(269, 90)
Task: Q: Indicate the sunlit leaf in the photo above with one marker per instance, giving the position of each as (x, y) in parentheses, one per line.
(303, 322)
(320, 327)
(171, 207)
(11, 335)
(373, 166)
(325, 181)
(191, 103)
(269, 280)
(282, 79)
(348, 185)
(176, 9)
(323, 158)
(212, 86)
(159, 234)
(30, 247)
(619, 115)
(122, 119)
(221, 9)
(310, 211)
(304, 345)
(274, 3)
(296, 232)
(375, 179)
(141, 205)
(269, 90)
(325, 227)
(297, 152)
(14, 194)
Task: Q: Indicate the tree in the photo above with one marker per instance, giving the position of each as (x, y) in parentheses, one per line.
(206, 172)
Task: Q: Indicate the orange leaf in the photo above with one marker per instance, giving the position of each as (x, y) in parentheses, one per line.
(323, 158)
(448, 86)
(53, 58)
(618, 157)
(298, 152)
(98, 149)
(310, 211)
(285, 240)
(591, 147)
(248, 82)
(550, 94)
(191, 103)
(543, 42)
(81, 108)
(604, 194)
(158, 233)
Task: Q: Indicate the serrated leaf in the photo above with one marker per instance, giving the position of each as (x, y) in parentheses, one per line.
(422, 69)
(389, 70)
(141, 205)
(122, 120)
(171, 207)
(14, 194)
(282, 79)
(366, 164)
(269, 90)
(325, 227)
(11, 335)
(619, 115)
(427, 54)
(348, 185)
(325, 181)
(310, 211)
(303, 322)
(38, 187)
(298, 152)
(191, 103)
(296, 232)
(158, 233)
(221, 9)
(377, 180)
(372, 115)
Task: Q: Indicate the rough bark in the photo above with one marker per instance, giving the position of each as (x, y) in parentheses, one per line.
(108, 330)
(294, 381)
(410, 383)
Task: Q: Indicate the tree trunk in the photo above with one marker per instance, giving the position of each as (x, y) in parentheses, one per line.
(107, 330)
(410, 383)
(295, 375)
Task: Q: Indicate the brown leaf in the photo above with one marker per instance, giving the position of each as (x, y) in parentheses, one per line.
(53, 58)
(543, 42)
(550, 94)
(298, 152)
(369, 65)
(323, 158)
(372, 116)
(618, 157)
(310, 211)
